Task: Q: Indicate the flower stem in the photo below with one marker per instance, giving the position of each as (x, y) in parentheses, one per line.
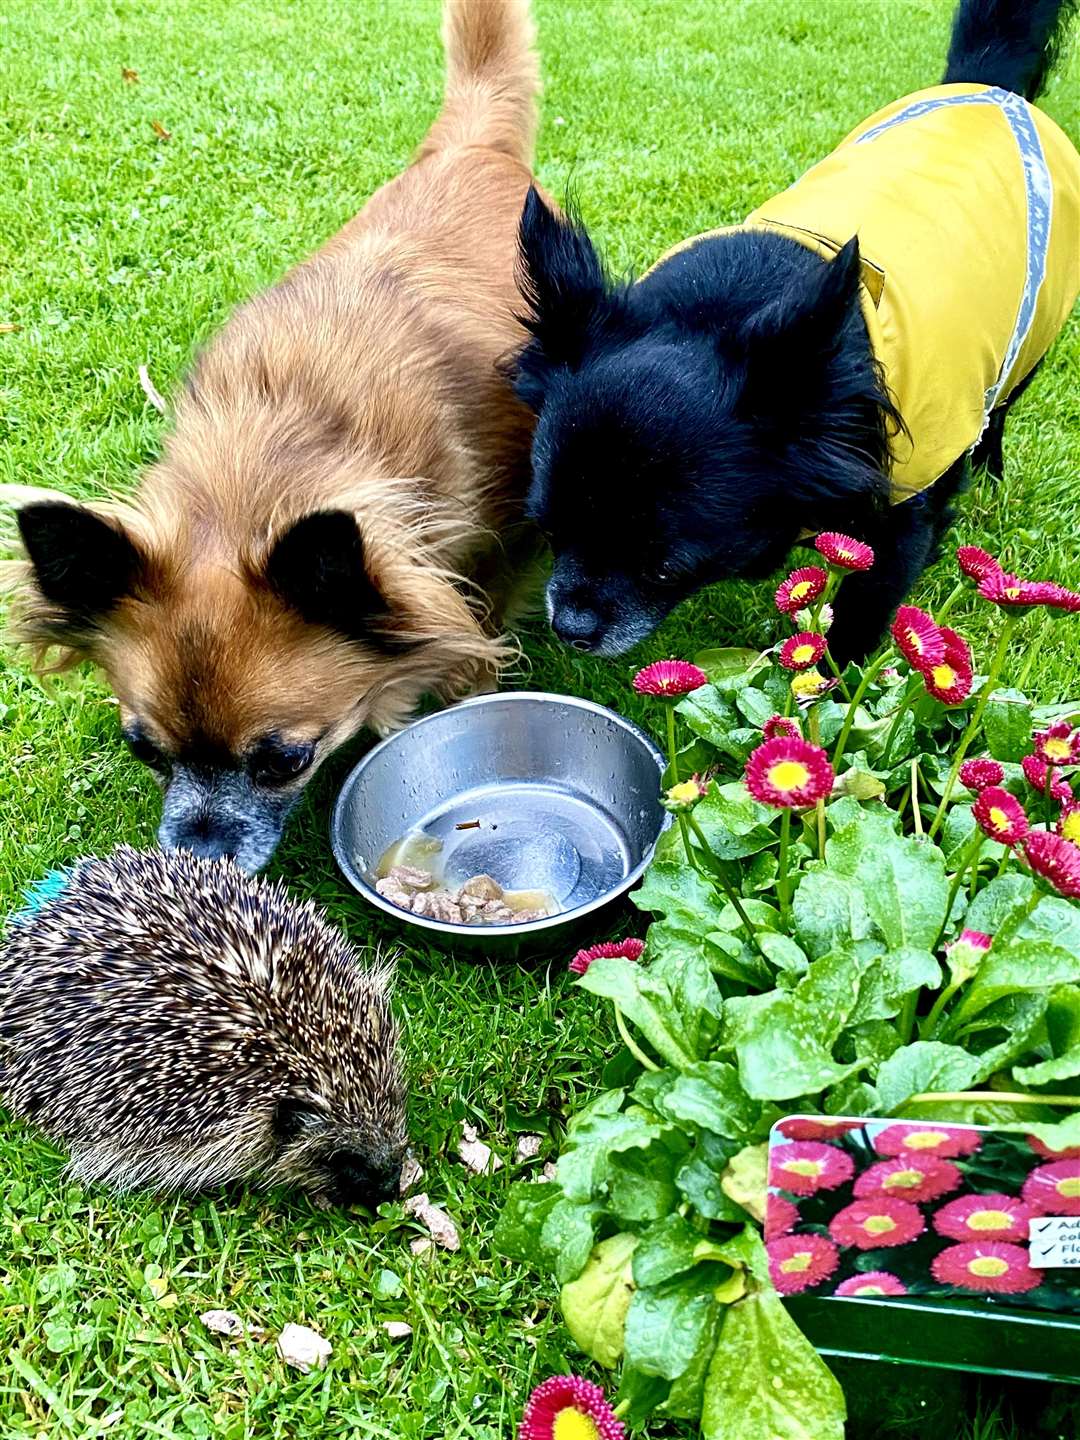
(631, 1044)
(996, 667)
(910, 694)
(782, 883)
(950, 600)
(870, 674)
(970, 853)
(720, 880)
(836, 671)
(928, 1025)
(673, 750)
(916, 813)
(813, 721)
(1000, 1097)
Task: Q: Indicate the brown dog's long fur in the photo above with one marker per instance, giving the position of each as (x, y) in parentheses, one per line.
(365, 381)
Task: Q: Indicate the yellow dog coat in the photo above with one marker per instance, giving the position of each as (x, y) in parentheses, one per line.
(966, 202)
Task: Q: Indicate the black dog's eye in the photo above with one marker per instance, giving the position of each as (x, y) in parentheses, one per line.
(664, 575)
(144, 749)
(278, 764)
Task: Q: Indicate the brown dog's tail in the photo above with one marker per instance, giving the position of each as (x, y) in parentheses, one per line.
(492, 79)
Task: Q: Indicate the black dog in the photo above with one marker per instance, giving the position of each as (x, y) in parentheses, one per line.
(694, 425)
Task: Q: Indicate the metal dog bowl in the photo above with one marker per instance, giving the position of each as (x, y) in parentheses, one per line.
(566, 794)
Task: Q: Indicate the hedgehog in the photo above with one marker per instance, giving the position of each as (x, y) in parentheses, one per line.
(176, 1025)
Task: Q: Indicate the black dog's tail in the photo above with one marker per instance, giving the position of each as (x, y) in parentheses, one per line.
(1010, 43)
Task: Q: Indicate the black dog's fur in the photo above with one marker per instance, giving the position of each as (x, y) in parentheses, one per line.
(693, 425)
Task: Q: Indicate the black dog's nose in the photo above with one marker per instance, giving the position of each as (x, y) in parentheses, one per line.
(577, 626)
(207, 847)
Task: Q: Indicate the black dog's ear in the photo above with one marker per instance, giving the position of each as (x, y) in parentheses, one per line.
(318, 568)
(791, 340)
(562, 282)
(83, 564)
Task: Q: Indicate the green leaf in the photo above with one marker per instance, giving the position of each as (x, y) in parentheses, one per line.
(903, 882)
(711, 715)
(568, 1234)
(687, 1393)
(734, 823)
(1007, 725)
(665, 1249)
(699, 1182)
(783, 952)
(1004, 897)
(519, 1227)
(779, 1047)
(594, 1305)
(710, 1096)
(596, 1134)
(829, 912)
(1023, 965)
(666, 1323)
(674, 1002)
(767, 1380)
(681, 896)
(926, 1065)
(722, 663)
(1060, 1067)
(723, 953)
(755, 706)
(639, 1395)
(641, 1183)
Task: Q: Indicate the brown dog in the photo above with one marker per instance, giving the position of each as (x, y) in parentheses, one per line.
(302, 560)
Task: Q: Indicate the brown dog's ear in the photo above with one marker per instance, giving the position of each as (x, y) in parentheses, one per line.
(318, 568)
(82, 564)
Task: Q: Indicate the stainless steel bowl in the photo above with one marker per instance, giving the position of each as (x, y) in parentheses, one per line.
(566, 794)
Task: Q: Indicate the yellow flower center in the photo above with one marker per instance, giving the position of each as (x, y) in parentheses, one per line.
(988, 1220)
(1057, 749)
(1070, 827)
(802, 654)
(803, 1167)
(788, 775)
(915, 641)
(1068, 1189)
(879, 1224)
(903, 1179)
(988, 1265)
(999, 820)
(845, 554)
(573, 1425)
(925, 1139)
(945, 677)
(868, 1290)
(796, 1264)
(683, 793)
(1013, 592)
(801, 590)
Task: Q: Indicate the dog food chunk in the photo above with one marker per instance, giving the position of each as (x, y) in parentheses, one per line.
(410, 878)
(482, 887)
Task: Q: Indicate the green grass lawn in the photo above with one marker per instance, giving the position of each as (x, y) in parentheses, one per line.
(118, 248)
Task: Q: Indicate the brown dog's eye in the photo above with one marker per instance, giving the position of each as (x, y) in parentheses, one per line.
(144, 749)
(278, 764)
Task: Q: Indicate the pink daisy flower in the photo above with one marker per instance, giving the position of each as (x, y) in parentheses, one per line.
(1000, 815)
(802, 651)
(798, 1262)
(686, 794)
(1061, 599)
(918, 638)
(789, 772)
(1070, 1152)
(806, 1166)
(975, 563)
(817, 1127)
(951, 681)
(1059, 744)
(967, 950)
(606, 950)
(981, 774)
(877, 1223)
(780, 1216)
(800, 589)
(843, 551)
(910, 1177)
(669, 678)
(991, 1267)
(1037, 773)
(1055, 859)
(989, 1217)
(926, 1140)
(569, 1408)
(1068, 826)
(872, 1282)
(1054, 1189)
(1013, 593)
(778, 725)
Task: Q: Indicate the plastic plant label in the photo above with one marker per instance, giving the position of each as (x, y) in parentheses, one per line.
(1055, 1241)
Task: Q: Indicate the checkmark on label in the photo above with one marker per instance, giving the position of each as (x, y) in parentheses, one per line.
(1055, 1242)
